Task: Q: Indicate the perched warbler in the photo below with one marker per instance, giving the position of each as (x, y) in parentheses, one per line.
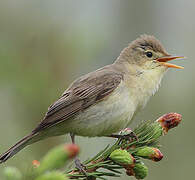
(105, 101)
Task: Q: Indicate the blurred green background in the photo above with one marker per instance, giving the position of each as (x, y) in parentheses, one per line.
(46, 44)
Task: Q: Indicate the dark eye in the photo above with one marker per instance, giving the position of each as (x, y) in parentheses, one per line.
(149, 54)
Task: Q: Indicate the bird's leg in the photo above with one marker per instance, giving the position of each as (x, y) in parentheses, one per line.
(77, 162)
(72, 136)
(126, 134)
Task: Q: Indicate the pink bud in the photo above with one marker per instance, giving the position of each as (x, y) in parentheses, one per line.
(169, 121)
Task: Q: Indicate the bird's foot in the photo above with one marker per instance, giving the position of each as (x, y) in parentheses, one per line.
(126, 134)
(80, 167)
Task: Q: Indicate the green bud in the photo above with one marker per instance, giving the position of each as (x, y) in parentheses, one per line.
(122, 157)
(150, 153)
(57, 157)
(145, 152)
(52, 176)
(12, 173)
(140, 170)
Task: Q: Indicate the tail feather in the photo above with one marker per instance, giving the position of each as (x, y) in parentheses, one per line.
(16, 148)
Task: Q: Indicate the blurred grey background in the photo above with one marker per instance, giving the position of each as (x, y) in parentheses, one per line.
(46, 44)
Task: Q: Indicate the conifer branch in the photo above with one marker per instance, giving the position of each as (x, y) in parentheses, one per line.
(125, 154)
(128, 154)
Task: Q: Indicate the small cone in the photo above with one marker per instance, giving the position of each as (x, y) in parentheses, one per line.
(57, 157)
(149, 153)
(122, 157)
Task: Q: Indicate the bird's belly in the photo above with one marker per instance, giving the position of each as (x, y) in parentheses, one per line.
(105, 117)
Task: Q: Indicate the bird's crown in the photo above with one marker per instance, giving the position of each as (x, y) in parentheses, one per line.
(148, 41)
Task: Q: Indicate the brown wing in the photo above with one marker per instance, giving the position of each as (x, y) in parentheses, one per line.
(83, 93)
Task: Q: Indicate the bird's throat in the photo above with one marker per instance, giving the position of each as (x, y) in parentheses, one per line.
(144, 84)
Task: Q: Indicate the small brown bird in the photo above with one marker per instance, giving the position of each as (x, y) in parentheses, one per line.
(105, 101)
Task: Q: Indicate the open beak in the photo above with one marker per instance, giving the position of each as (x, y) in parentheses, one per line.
(165, 59)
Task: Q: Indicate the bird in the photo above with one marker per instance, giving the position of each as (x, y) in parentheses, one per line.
(105, 101)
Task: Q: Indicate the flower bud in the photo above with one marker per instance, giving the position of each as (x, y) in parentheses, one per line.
(35, 163)
(140, 171)
(122, 157)
(12, 173)
(150, 153)
(169, 121)
(57, 157)
(52, 176)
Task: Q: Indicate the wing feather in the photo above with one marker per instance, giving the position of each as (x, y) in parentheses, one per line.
(83, 93)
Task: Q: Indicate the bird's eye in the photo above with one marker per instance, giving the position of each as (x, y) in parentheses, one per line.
(149, 54)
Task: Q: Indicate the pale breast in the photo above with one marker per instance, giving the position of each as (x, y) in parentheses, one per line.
(147, 85)
(114, 112)
(107, 116)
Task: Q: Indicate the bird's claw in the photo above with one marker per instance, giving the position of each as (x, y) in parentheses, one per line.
(126, 134)
(131, 136)
(80, 167)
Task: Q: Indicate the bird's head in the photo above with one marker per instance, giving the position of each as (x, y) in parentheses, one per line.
(147, 53)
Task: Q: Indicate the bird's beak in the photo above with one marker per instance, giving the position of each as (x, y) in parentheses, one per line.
(165, 59)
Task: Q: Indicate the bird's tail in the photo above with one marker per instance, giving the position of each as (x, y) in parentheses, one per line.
(17, 147)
